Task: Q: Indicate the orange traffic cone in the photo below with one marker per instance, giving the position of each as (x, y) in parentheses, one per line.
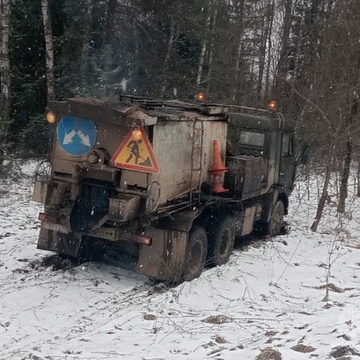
(217, 170)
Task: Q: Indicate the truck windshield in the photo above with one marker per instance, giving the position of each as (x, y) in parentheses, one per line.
(252, 138)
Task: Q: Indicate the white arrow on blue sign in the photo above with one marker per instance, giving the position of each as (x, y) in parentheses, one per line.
(76, 136)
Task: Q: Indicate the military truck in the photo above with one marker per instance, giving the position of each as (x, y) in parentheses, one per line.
(169, 182)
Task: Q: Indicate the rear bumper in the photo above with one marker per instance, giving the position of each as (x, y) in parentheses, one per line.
(51, 223)
(162, 253)
(116, 234)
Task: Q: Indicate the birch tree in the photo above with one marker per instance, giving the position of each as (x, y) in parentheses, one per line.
(265, 47)
(49, 48)
(203, 47)
(86, 39)
(237, 68)
(5, 76)
(284, 50)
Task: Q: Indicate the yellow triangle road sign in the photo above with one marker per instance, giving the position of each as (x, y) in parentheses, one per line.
(136, 153)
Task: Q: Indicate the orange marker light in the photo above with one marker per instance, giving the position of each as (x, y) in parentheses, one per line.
(272, 106)
(51, 117)
(42, 217)
(200, 97)
(136, 133)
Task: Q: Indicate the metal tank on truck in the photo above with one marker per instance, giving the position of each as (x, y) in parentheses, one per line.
(172, 183)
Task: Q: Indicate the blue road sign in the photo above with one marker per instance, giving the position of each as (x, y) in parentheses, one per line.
(76, 136)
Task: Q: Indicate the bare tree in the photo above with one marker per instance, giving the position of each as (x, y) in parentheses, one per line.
(349, 141)
(265, 42)
(282, 68)
(86, 38)
(269, 47)
(50, 78)
(204, 47)
(168, 54)
(5, 76)
(324, 195)
(211, 46)
(240, 34)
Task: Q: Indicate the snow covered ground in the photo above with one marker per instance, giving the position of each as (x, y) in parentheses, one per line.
(270, 295)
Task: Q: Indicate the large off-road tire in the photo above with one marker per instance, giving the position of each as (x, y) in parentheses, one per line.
(221, 234)
(196, 253)
(277, 219)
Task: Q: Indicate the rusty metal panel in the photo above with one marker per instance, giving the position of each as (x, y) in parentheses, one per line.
(182, 221)
(107, 110)
(41, 191)
(107, 233)
(175, 146)
(249, 217)
(55, 227)
(66, 244)
(255, 176)
(165, 258)
(134, 178)
(123, 208)
(247, 175)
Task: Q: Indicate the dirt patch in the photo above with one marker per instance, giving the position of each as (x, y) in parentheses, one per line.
(343, 352)
(303, 348)
(54, 262)
(271, 333)
(220, 339)
(269, 354)
(7, 234)
(217, 319)
(332, 287)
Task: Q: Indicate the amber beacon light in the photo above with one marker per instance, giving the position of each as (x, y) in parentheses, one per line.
(137, 134)
(51, 117)
(272, 106)
(200, 97)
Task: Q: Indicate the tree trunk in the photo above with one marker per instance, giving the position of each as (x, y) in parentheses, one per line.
(211, 49)
(262, 53)
(343, 193)
(5, 76)
(50, 78)
(110, 18)
(284, 52)
(203, 48)
(269, 50)
(358, 179)
(239, 51)
(167, 56)
(85, 41)
(349, 146)
(108, 60)
(324, 196)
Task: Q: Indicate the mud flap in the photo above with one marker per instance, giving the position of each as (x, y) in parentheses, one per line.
(65, 244)
(164, 259)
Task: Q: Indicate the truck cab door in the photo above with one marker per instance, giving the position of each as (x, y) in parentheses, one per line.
(287, 162)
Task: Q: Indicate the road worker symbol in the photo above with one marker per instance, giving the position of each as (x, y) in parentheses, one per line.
(136, 153)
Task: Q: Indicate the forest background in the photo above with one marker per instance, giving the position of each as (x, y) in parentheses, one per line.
(303, 53)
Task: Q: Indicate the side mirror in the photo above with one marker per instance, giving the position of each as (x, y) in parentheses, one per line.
(302, 157)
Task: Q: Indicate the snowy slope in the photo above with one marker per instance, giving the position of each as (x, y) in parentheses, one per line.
(270, 294)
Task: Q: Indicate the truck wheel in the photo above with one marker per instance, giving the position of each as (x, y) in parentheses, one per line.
(277, 218)
(221, 240)
(196, 253)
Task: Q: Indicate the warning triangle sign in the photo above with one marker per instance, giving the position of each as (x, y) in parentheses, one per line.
(136, 153)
